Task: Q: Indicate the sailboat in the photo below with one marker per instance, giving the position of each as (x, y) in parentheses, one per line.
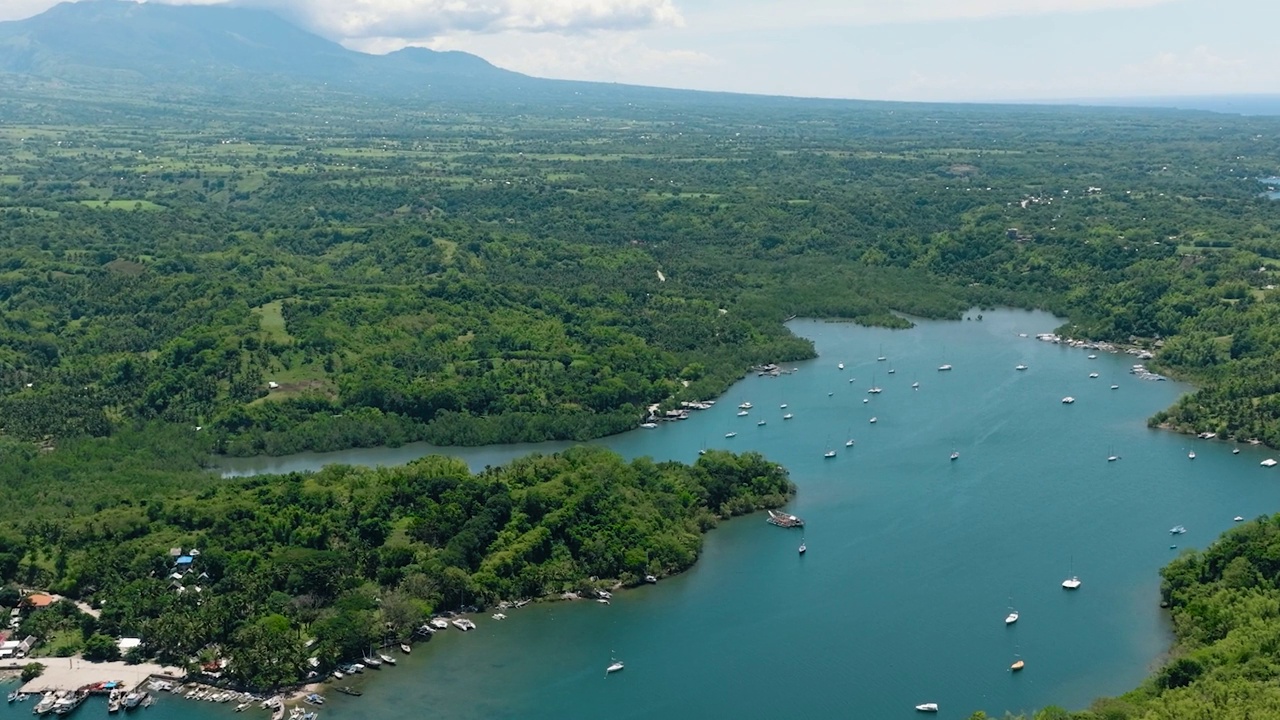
(955, 454)
(803, 547)
(1111, 456)
(915, 385)
(1073, 581)
(614, 667)
(881, 357)
(1012, 617)
(849, 442)
(874, 389)
(840, 366)
(1191, 455)
(830, 453)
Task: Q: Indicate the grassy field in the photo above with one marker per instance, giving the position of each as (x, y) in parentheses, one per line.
(143, 205)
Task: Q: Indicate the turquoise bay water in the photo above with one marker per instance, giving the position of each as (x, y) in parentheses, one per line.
(912, 558)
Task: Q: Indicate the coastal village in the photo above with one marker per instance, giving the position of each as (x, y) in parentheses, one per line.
(56, 685)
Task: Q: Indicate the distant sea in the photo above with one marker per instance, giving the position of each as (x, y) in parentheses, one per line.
(1230, 104)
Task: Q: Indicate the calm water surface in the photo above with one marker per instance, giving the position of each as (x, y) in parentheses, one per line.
(912, 561)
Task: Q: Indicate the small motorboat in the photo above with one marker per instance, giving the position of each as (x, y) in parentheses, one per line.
(783, 406)
(803, 546)
(944, 368)
(829, 454)
(1020, 367)
(1115, 387)
(1093, 376)
(892, 371)
(1238, 518)
(915, 386)
(762, 422)
(743, 413)
(1068, 400)
(731, 434)
(1093, 357)
(1235, 451)
(927, 707)
(840, 366)
(348, 690)
(872, 420)
(745, 406)
(955, 456)
(614, 667)
(788, 416)
(406, 648)
(1011, 618)
(848, 443)
(1017, 665)
(1191, 455)
(865, 401)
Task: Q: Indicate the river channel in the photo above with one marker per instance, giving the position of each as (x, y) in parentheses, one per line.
(913, 560)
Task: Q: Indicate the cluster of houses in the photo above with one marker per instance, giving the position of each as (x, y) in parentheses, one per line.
(11, 648)
(183, 574)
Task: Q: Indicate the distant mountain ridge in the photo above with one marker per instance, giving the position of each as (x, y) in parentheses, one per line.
(216, 47)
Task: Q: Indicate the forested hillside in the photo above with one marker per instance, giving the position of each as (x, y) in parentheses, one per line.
(349, 557)
(357, 275)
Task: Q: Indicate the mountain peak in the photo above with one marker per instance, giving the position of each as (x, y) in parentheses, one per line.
(209, 47)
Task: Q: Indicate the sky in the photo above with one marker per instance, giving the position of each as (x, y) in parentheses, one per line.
(920, 50)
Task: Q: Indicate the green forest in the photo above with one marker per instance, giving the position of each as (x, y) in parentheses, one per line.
(287, 284)
(326, 565)
(183, 281)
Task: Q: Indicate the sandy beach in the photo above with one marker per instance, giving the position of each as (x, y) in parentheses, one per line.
(71, 673)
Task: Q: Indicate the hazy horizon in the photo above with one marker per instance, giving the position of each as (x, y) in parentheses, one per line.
(909, 50)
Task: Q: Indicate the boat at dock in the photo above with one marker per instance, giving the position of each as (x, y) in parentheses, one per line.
(46, 704)
(785, 520)
(387, 659)
(463, 624)
(70, 701)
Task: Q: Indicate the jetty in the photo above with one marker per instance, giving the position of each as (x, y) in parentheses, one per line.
(785, 520)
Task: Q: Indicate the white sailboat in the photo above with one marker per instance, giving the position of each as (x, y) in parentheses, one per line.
(874, 389)
(1111, 456)
(614, 667)
(840, 366)
(1073, 581)
(881, 357)
(803, 546)
(955, 454)
(1012, 617)
(849, 443)
(830, 453)
(1020, 366)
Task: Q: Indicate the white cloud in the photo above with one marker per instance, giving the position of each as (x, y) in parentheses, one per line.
(350, 19)
(608, 56)
(763, 14)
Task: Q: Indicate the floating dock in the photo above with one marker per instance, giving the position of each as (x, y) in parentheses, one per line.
(785, 520)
